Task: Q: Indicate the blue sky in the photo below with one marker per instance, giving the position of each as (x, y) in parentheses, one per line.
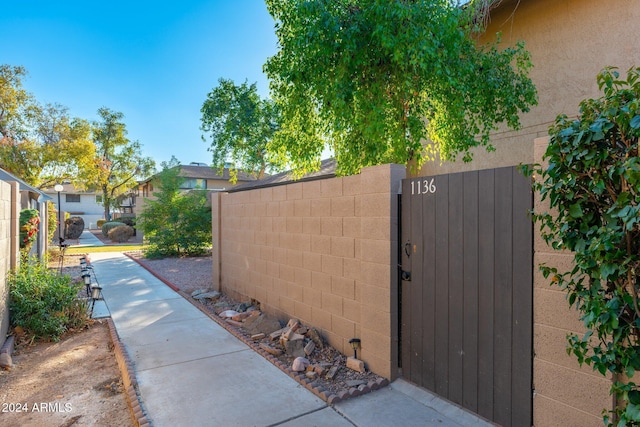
(153, 61)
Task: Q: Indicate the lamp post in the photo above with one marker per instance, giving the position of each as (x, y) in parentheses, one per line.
(59, 188)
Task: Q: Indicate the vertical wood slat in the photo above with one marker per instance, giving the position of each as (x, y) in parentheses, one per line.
(474, 284)
(455, 256)
(522, 356)
(486, 245)
(441, 342)
(471, 302)
(503, 296)
(427, 282)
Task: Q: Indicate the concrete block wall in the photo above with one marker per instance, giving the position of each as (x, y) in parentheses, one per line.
(322, 251)
(565, 393)
(9, 246)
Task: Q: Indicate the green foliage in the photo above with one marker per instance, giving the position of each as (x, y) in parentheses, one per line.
(118, 160)
(108, 226)
(43, 302)
(374, 79)
(52, 220)
(592, 183)
(240, 125)
(41, 144)
(29, 227)
(74, 226)
(176, 223)
(100, 223)
(120, 234)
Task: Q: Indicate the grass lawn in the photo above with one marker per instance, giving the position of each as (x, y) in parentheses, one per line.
(106, 248)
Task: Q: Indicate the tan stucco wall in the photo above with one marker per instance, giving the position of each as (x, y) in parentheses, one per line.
(565, 393)
(321, 251)
(570, 41)
(9, 258)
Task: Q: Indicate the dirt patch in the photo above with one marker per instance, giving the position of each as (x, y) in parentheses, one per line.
(75, 381)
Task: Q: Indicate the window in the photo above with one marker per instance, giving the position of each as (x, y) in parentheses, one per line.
(72, 198)
(194, 183)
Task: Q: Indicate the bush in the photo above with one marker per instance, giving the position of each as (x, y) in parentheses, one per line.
(43, 302)
(120, 234)
(592, 183)
(107, 226)
(101, 222)
(130, 221)
(74, 227)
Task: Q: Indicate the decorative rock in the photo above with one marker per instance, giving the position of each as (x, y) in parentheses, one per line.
(294, 348)
(332, 372)
(355, 383)
(355, 364)
(311, 375)
(242, 307)
(228, 314)
(213, 295)
(320, 370)
(308, 349)
(197, 292)
(300, 364)
(270, 350)
(277, 334)
(240, 316)
(261, 324)
(258, 337)
(314, 336)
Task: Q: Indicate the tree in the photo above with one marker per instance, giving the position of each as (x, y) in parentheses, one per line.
(240, 125)
(373, 79)
(118, 160)
(40, 144)
(592, 183)
(175, 223)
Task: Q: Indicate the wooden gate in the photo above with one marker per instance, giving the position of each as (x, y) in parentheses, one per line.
(467, 290)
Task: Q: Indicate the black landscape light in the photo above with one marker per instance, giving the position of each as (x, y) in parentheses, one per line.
(86, 276)
(355, 345)
(96, 294)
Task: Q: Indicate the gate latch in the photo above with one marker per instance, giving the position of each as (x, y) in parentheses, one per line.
(404, 275)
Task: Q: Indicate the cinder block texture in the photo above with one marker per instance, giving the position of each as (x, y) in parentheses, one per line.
(309, 248)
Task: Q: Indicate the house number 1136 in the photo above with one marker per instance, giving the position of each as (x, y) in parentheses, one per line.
(424, 186)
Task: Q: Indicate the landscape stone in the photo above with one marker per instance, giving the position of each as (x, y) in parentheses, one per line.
(355, 364)
(294, 348)
(213, 295)
(243, 306)
(300, 364)
(261, 324)
(314, 336)
(355, 383)
(332, 372)
(308, 349)
(270, 350)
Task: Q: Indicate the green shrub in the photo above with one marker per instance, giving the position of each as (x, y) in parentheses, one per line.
(101, 222)
(120, 234)
(52, 219)
(107, 226)
(74, 227)
(44, 303)
(129, 220)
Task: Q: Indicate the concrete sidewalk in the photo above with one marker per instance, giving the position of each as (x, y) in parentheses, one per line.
(192, 372)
